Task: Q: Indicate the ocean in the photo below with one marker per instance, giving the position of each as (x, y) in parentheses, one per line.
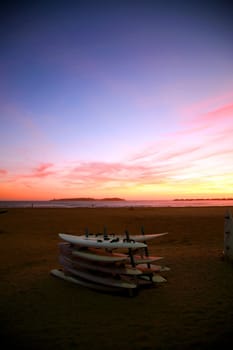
(117, 204)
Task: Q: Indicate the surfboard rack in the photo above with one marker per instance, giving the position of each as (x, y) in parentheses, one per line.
(92, 260)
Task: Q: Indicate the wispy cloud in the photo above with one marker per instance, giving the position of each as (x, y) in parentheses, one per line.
(102, 172)
(3, 171)
(43, 170)
(211, 103)
(218, 116)
(200, 150)
(198, 157)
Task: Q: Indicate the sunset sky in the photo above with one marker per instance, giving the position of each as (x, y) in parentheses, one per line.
(130, 99)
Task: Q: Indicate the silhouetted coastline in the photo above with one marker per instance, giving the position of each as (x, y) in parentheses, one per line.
(86, 199)
(203, 199)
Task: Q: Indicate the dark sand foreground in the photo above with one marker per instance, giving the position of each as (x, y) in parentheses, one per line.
(193, 310)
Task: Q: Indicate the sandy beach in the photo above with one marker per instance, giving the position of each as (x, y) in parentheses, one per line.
(193, 310)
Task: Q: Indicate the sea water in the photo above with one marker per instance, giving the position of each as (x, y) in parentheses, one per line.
(117, 204)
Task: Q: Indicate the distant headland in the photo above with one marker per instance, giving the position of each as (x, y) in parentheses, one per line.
(86, 199)
(203, 199)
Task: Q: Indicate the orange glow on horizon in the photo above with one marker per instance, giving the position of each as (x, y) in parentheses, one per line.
(139, 192)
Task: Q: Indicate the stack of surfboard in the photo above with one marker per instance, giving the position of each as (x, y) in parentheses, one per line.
(109, 262)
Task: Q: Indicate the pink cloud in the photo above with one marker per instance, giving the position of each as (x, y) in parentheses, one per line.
(105, 170)
(39, 172)
(199, 107)
(217, 115)
(203, 147)
(209, 124)
(100, 173)
(43, 167)
(159, 163)
(198, 148)
(42, 171)
(166, 154)
(3, 172)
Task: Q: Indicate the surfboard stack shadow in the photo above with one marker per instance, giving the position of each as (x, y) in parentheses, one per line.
(109, 262)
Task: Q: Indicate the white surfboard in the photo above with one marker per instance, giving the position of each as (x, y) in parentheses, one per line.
(111, 269)
(60, 274)
(94, 278)
(113, 257)
(146, 259)
(122, 237)
(93, 241)
(153, 268)
(99, 256)
(92, 254)
(143, 238)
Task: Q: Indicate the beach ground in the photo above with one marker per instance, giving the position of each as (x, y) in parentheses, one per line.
(192, 310)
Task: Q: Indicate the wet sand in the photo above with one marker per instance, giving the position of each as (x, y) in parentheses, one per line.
(193, 310)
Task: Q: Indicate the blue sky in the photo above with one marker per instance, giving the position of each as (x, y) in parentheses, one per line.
(86, 87)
